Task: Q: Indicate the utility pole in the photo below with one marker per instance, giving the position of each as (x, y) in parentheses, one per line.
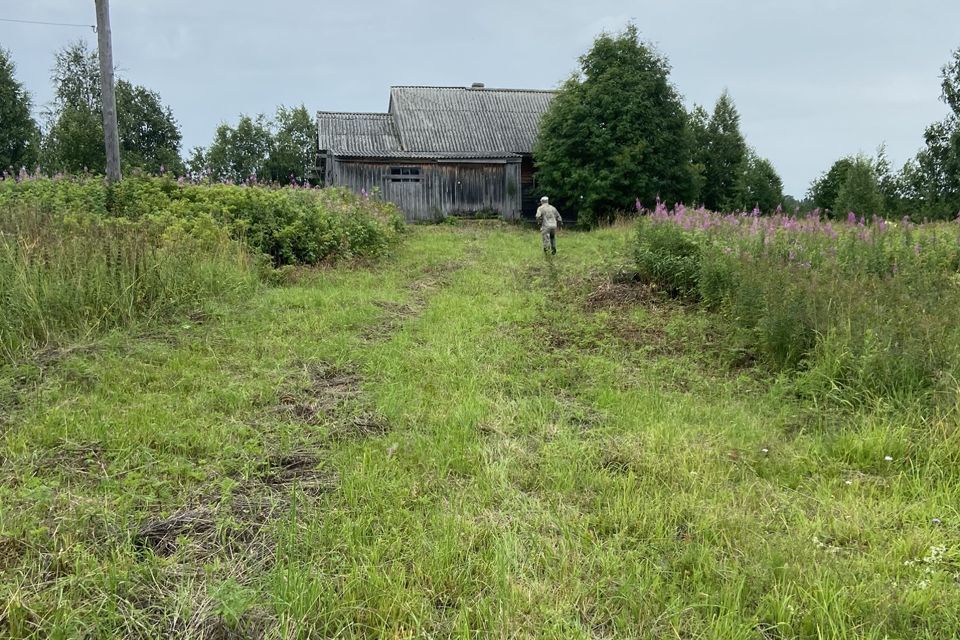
(111, 138)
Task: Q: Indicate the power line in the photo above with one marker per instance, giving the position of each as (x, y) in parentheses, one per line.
(50, 24)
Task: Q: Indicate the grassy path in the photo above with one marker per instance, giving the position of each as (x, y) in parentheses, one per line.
(468, 441)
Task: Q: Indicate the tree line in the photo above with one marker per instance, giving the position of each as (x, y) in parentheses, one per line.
(927, 186)
(618, 132)
(69, 137)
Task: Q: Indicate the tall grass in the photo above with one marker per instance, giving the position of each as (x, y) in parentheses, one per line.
(861, 311)
(64, 278)
(78, 257)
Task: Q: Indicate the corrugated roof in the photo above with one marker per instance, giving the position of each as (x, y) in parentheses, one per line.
(438, 122)
(431, 155)
(362, 133)
(468, 119)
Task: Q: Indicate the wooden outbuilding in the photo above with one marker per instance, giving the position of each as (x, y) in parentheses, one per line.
(439, 151)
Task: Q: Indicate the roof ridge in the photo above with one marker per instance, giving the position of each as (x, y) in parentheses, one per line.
(354, 113)
(483, 89)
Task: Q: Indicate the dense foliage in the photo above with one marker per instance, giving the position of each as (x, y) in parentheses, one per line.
(615, 132)
(934, 176)
(259, 149)
(73, 142)
(730, 175)
(760, 185)
(291, 225)
(860, 190)
(724, 156)
(19, 134)
(863, 310)
(826, 188)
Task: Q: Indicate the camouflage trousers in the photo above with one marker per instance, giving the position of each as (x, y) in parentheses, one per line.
(549, 240)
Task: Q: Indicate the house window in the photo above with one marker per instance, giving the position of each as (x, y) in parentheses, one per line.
(404, 174)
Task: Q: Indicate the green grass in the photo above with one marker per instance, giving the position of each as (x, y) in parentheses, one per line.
(68, 280)
(464, 441)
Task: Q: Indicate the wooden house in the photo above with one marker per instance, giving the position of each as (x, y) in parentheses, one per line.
(439, 151)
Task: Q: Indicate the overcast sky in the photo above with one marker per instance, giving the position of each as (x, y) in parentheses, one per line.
(813, 79)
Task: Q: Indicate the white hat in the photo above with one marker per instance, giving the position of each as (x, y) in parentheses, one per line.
(544, 199)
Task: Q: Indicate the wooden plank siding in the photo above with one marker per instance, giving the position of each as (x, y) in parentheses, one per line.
(444, 188)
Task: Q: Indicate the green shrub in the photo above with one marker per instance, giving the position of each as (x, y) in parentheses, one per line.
(668, 256)
(291, 225)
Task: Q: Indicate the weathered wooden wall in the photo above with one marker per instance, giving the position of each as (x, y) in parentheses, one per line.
(444, 188)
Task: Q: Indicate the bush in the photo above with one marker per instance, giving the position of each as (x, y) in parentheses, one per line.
(668, 256)
(859, 312)
(291, 225)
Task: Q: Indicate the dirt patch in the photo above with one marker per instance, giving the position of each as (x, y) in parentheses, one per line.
(613, 294)
(25, 375)
(12, 552)
(250, 626)
(225, 536)
(619, 457)
(52, 355)
(579, 414)
(653, 339)
(327, 390)
(163, 535)
(282, 469)
(234, 524)
(333, 397)
(87, 460)
(364, 425)
(395, 314)
(555, 337)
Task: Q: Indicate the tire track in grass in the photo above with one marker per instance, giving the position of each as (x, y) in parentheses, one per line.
(334, 397)
(229, 522)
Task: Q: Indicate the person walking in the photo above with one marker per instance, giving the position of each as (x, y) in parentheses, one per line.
(549, 219)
